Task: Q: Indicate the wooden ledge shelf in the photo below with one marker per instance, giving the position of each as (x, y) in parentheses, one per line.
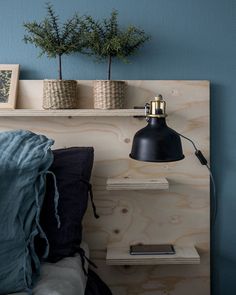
(72, 113)
(121, 256)
(127, 183)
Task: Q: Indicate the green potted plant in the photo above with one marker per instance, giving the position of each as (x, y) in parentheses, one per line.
(107, 41)
(56, 40)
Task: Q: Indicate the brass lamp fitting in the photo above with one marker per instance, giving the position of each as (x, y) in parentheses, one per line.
(156, 108)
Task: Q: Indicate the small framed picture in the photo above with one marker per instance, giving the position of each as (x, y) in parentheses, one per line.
(9, 76)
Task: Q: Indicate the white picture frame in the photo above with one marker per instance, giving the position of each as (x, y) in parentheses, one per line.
(9, 77)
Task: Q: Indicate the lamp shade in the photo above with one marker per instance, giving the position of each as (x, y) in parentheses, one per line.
(157, 143)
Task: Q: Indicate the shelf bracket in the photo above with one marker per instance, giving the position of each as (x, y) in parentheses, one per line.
(139, 108)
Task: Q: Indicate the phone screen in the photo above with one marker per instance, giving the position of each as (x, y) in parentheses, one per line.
(151, 249)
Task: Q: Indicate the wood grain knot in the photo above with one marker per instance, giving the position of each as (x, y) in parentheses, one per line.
(175, 92)
(127, 266)
(124, 210)
(175, 219)
(116, 231)
(127, 140)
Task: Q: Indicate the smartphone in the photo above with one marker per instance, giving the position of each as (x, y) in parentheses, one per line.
(152, 249)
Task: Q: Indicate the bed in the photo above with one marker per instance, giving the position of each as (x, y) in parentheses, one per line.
(42, 209)
(65, 277)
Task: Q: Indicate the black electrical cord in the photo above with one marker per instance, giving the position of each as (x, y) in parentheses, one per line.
(214, 199)
(204, 162)
(213, 209)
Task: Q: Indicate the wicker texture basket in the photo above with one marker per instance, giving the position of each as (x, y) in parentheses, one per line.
(109, 94)
(60, 94)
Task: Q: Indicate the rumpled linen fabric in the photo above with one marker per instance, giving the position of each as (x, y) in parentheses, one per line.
(24, 161)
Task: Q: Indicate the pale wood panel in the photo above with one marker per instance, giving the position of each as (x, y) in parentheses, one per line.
(71, 113)
(179, 215)
(127, 183)
(121, 256)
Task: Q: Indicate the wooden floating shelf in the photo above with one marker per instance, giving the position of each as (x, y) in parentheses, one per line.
(72, 113)
(127, 183)
(121, 256)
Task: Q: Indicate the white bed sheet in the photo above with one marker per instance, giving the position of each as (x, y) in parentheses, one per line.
(66, 277)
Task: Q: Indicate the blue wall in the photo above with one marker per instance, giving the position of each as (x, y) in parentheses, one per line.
(190, 40)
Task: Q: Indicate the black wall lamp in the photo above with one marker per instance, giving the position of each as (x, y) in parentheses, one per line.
(158, 143)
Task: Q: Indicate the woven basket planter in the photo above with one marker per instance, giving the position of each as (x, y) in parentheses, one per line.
(109, 94)
(60, 94)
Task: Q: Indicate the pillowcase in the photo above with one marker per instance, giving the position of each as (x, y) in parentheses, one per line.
(66, 277)
(72, 168)
(24, 160)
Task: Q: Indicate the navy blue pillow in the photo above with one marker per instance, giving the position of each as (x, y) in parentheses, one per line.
(72, 168)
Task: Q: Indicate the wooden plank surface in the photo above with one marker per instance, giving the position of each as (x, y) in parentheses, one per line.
(127, 183)
(71, 113)
(179, 215)
(121, 256)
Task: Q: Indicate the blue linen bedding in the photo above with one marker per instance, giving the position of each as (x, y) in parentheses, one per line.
(24, 161)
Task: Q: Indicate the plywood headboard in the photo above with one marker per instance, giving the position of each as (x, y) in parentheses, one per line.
(179, 215)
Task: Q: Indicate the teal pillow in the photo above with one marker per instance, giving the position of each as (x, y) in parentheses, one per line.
(24, 161)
